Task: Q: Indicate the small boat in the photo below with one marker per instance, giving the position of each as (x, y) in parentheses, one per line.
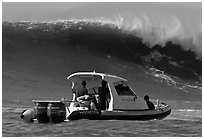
(122, 103)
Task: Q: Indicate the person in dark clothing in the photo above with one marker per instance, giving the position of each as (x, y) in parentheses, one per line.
(149, 103)
(103, 95)
(81, 91)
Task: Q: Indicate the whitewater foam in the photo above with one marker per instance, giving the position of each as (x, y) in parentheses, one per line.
(155, 30)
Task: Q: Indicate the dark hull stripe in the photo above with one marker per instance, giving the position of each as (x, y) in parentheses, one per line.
(98, 115)
(131, 110)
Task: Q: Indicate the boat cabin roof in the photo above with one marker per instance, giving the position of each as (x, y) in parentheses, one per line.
(93, 79)
(94, 76)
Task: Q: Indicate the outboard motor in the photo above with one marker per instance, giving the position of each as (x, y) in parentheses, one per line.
(28, 115)
(45, 112)
(41, 112)
(56, 112)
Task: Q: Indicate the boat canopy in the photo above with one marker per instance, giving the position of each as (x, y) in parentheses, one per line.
(93, 77)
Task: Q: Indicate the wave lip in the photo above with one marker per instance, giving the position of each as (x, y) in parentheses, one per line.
(159, 29)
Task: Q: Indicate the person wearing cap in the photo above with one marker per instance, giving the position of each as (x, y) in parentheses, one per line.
(149, 103)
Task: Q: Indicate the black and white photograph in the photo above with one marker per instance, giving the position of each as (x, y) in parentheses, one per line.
(101, 69)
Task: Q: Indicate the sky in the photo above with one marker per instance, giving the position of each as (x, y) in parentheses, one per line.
(46, 11)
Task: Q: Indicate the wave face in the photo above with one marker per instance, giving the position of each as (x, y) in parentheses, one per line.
(109, 40)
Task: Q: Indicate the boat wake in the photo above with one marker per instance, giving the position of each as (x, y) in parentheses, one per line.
(186, 115)
(12, 110)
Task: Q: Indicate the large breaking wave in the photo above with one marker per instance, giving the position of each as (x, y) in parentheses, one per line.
(139, 41)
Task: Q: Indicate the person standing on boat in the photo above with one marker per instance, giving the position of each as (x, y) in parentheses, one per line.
(103, 95)
(149, 103)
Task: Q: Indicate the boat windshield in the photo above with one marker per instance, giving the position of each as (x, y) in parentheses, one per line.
(123, 89)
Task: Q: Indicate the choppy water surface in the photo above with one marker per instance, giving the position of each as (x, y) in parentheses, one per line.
(181, 122)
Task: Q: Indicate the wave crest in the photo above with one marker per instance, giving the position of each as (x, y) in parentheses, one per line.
(91, 35)
(157, 30)
(152, 29)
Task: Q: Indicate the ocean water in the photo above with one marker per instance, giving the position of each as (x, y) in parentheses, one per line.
(38, 56)
(180, 123)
